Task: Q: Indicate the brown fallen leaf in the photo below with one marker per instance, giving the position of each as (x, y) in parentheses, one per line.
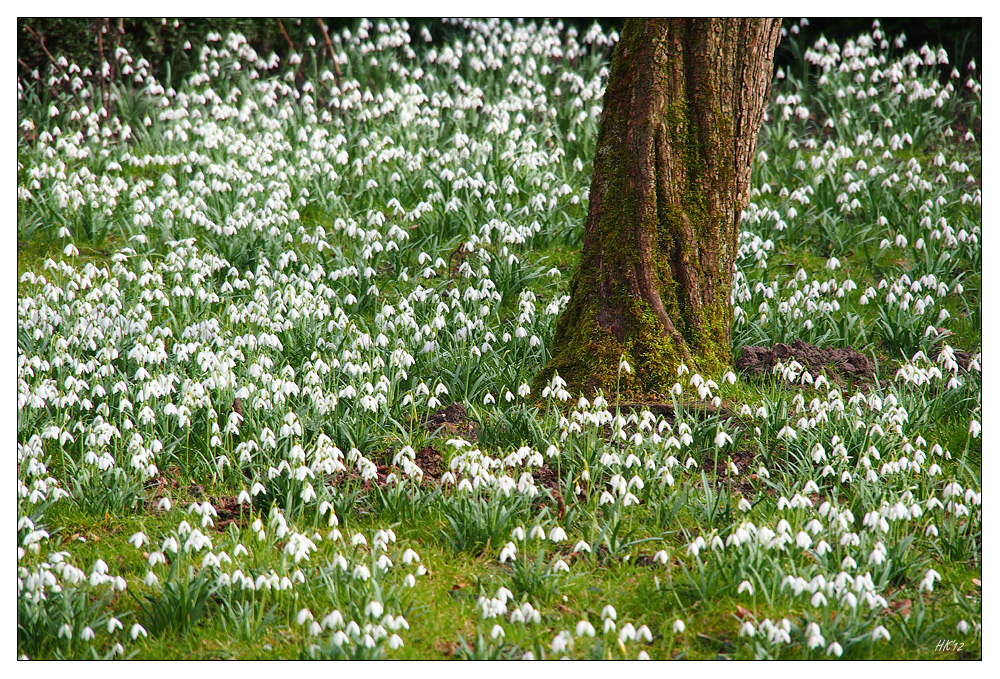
(977, 582)
(901, 607)
(446, 647)
(743, 613)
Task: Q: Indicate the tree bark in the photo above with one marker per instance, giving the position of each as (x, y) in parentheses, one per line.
(682, 108)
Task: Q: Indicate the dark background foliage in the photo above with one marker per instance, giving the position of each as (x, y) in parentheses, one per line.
(161, 40)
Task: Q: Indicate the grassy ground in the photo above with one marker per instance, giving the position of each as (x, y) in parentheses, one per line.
(301, 344)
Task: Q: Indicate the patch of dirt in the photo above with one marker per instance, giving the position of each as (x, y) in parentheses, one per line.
(845, 363)
(166, 481)
(431, 462)
(453, 421)
(228, 509)
(743, 482)
(548, 478)
(963, 358)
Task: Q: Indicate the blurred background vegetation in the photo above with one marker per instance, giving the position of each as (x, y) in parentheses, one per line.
(161, 41)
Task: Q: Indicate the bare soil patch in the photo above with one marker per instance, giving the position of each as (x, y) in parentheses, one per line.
(842, 362)
(453, 421)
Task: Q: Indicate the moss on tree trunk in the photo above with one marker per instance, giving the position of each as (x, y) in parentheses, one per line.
(682, 108)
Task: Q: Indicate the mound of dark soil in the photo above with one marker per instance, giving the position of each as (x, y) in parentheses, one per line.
(850, 363)
(452, 421)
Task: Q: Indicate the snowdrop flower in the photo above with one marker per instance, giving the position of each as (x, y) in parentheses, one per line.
(562, 642)
(557, 534)
(927, 584)
(508, 553)
(722, 438)
(679, 626)
(136, 630)
(745, 586)
(627, 633)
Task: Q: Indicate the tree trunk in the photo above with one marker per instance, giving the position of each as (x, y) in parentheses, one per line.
(682, 108)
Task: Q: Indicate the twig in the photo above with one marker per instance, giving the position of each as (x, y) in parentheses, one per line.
(100, 66)
(333, 56)
(291, 45)
(41, 43)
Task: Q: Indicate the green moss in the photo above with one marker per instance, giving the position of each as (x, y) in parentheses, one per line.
(653, 355)
(588, 356)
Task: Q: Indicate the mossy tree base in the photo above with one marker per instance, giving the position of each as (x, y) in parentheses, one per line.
(682, 108)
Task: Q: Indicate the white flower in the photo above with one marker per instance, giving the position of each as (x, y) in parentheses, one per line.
(679, 626)
(508, 553)
(557, 534)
